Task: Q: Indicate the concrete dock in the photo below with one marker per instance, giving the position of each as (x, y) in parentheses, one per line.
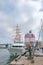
(23, 61)
(3, 47)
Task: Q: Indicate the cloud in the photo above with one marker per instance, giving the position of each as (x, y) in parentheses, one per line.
(23, 12)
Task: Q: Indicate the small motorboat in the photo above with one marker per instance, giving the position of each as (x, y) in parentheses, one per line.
(38, 52)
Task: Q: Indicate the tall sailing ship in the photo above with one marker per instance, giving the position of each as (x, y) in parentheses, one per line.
(18, 46)
(39, 46)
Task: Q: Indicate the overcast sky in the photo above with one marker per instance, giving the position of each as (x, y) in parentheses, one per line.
(25, 13)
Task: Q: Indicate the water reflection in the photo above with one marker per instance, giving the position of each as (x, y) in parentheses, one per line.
(11, 58)
(5, 57)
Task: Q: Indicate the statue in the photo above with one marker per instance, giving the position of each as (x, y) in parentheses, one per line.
(30, 50)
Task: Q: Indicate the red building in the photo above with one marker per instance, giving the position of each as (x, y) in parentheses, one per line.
(29, 38)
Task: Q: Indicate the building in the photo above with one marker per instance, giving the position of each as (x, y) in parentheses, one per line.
(29, 38)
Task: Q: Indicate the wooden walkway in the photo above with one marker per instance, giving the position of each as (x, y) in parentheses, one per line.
(23, 61)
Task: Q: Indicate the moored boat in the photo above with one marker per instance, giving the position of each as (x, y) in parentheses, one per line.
(18, 46)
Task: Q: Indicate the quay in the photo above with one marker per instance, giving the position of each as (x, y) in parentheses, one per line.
(22, 60)
(3, 47)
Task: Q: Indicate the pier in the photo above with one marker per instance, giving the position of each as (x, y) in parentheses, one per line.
(24, 61)
(4, 46)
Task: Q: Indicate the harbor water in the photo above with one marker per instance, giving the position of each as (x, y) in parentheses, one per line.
(5, 57)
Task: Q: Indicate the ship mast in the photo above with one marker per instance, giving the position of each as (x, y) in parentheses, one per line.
(41, 32)
(17, 35)
(40, 45)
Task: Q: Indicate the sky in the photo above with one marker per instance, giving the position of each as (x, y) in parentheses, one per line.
(26, 13)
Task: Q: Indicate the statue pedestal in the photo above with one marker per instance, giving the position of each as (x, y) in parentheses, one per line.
(30, 57)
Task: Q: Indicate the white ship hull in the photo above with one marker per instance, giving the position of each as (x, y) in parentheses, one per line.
(17, 49)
